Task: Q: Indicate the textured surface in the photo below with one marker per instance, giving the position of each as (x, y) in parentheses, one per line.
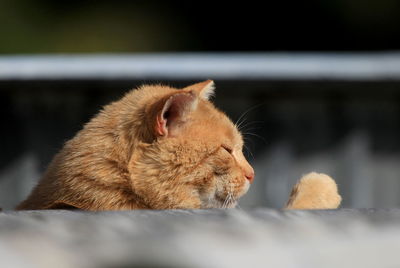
(212, 238)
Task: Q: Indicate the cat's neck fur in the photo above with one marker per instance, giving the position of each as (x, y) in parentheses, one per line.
(112, 136)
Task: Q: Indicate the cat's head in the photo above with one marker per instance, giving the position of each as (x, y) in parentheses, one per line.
(192, 154)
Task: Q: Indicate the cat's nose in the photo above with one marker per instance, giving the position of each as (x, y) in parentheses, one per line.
(247, 169)
(250, 175)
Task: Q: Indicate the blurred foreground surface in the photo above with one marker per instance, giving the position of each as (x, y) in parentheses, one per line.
(201, 238)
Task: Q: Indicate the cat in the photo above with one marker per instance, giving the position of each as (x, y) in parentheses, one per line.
(156, 148)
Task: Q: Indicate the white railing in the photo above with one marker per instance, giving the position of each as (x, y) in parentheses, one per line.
(231, 66)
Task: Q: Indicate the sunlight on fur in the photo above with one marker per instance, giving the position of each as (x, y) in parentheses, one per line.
(314, 191)
(158, 148)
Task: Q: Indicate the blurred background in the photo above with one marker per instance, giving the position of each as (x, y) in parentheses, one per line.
(317, 83)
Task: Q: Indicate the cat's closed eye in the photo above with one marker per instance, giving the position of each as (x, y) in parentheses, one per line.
(227, 148)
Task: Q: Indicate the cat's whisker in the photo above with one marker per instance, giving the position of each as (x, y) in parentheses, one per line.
(248, 150)
(241, 119)
(247, 139)
(229, 199)
(251, 130)
(225, 205)
(245, 113)
(250, 124)
(239, 125)
(255, 135)
(225, 202)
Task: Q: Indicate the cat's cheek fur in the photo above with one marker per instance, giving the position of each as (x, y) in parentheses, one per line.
(167, 174)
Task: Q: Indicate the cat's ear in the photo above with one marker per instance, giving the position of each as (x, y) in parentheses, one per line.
(204, 89)
(174, 112)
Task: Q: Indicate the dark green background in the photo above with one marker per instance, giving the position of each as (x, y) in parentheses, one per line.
(48, 26)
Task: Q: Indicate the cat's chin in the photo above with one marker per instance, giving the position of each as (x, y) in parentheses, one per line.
(219, 202)
(229, 201)
(230, 205)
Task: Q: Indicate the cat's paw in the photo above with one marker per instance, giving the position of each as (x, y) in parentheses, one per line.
(314, 191)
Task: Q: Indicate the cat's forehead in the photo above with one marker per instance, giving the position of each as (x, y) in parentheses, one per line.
(219, 124)
(235, 136)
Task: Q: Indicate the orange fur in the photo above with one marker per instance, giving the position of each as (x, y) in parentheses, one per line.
(160, 148)
(314, 191)
(156, 148)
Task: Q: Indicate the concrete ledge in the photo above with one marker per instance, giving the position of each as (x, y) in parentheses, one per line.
(203, 238)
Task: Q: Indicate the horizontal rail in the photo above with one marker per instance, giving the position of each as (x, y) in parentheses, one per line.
(229, 66)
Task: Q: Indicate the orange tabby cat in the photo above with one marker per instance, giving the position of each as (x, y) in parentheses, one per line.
(156, 148)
